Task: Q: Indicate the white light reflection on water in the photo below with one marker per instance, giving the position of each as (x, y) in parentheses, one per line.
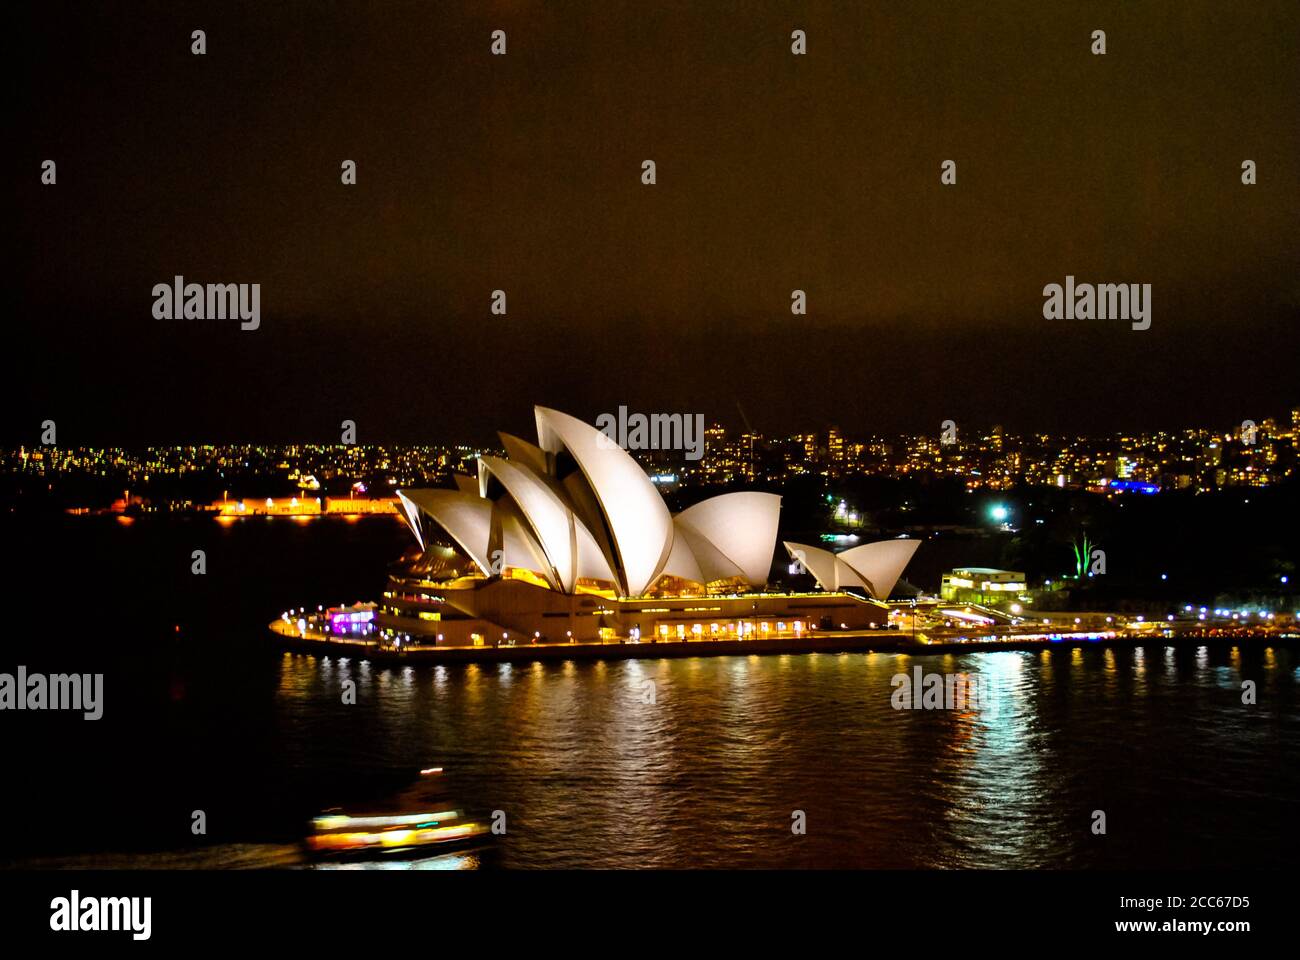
(993, 773)
(708, 774)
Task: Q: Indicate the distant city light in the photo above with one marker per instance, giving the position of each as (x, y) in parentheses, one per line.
(1133, 486)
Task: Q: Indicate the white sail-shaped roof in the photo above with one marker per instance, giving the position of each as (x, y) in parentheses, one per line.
(713, 563)
(640, 523)
(567, 544)
(524, 453)
(830, 572)
(518, 546)
(470, 520)
(603, 521)
(466, 517)
(411, 514)
(881, 563)
(875, 567)
(742, 526)
(682, 563)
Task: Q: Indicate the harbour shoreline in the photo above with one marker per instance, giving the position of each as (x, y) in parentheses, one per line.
(878, 641)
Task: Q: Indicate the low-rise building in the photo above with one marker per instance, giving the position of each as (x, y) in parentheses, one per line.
(982, 585)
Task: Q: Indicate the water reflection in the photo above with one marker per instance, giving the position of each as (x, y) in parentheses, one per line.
(453, 861)
(701, 761)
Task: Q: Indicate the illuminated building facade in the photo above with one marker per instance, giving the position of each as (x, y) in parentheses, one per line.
(569, 540)
(982, 585)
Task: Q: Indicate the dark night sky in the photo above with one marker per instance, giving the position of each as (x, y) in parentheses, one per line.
(775, 172)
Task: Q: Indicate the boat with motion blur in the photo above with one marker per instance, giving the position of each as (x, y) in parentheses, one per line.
(421, 822)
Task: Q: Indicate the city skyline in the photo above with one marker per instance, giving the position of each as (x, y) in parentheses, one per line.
(1200, 459)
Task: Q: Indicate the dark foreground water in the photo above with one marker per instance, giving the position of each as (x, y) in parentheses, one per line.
(588, 772)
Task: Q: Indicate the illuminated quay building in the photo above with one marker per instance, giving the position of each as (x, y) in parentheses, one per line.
(569, 541)
(303, 507)
(983, 585)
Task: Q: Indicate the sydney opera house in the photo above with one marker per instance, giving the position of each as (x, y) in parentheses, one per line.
(568, 540)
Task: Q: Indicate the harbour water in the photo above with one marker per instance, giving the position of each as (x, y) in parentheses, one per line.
(702, 762)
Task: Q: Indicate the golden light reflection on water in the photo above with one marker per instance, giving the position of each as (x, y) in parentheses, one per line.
(1110, 671)
(472, 684)
(692, 775)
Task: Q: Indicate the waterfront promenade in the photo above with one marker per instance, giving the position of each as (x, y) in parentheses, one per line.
(313, 640)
